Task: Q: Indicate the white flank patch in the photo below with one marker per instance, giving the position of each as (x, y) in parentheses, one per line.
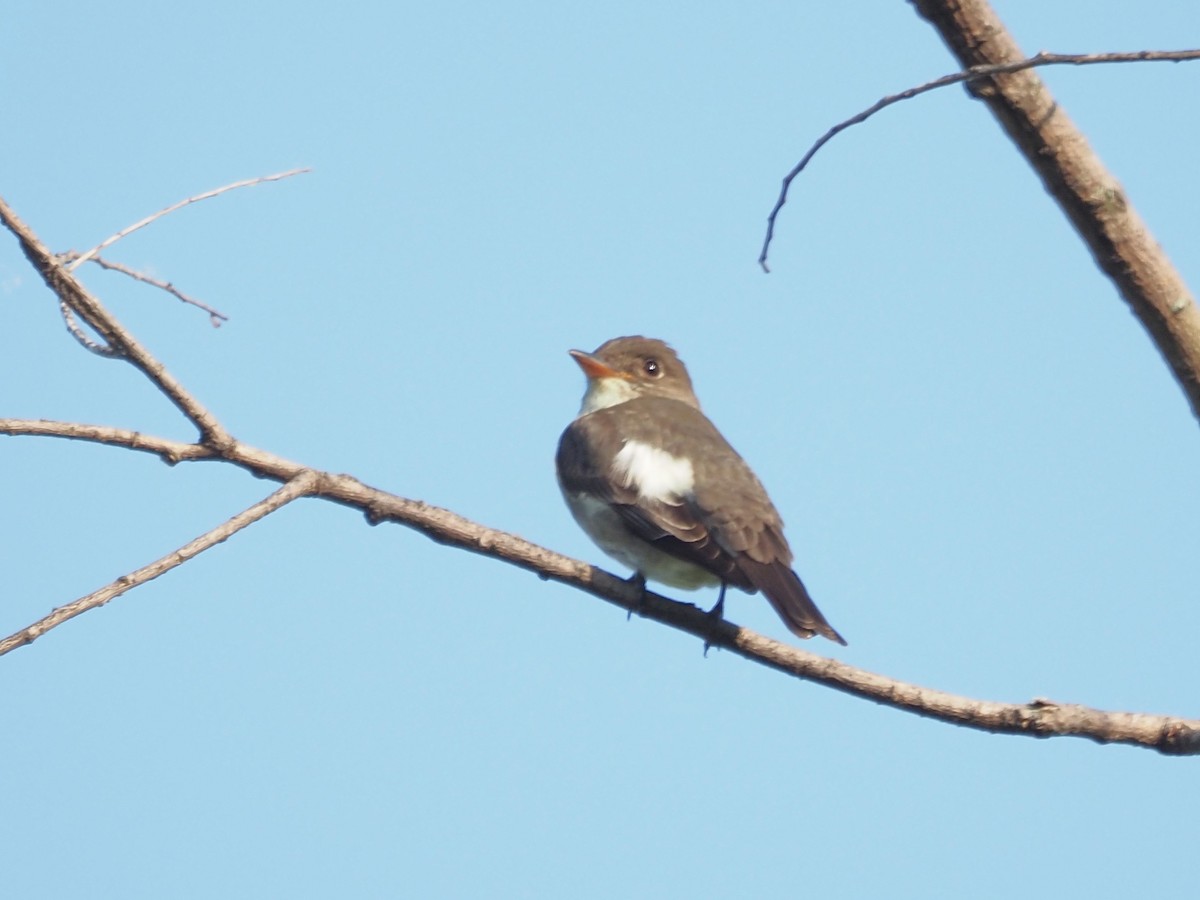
(604, 526)
(653, 473)
(605, 392)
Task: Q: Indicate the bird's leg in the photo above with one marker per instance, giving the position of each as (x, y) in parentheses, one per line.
(717, 613)
(639, 580)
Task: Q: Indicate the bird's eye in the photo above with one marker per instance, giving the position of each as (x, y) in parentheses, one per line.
(652, 368)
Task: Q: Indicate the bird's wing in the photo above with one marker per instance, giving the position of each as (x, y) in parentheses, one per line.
(670, 521)
(734, 506)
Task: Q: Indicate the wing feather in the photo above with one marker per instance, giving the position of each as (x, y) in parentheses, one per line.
(726, 525)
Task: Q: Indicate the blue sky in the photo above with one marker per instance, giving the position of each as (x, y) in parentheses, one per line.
(987, 472)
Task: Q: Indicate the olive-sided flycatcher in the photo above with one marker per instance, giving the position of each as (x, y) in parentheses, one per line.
(656, 486)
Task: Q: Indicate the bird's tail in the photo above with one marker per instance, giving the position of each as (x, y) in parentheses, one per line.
(787, 593)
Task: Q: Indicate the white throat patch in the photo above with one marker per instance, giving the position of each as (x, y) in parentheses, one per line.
(655, 474)
(605, 392)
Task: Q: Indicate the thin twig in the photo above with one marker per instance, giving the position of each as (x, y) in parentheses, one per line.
(215, 317)
(972, 74)
(76, 331)
(299, 486)
(71, 292)
(169, 451)
(207, 195)
(1039, 718)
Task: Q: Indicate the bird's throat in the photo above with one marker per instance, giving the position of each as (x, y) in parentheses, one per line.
(602, 393)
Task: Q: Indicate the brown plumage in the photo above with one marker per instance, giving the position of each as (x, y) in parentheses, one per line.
(654, 483)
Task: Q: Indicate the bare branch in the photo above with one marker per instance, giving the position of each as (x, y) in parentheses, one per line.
(1039, 718)
(79, 260)
(72, 293)
(300, 485)
(1094, 201)
(971, 74)
(171, 452)
(76, 331)
(215, 317)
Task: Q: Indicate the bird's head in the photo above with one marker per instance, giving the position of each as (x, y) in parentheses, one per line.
(626, 368)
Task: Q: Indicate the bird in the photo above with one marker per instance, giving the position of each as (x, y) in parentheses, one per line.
(657, 487)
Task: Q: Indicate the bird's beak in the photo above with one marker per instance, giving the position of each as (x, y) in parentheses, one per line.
(593, 368)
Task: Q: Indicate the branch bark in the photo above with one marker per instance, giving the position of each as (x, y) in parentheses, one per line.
(301, 484)
(77, 298)
(215, 317)
(1041, 718)
(1038, 718)
(1088, 193)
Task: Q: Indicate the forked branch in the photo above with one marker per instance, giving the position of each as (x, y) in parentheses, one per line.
(1039, 718)
(301, 484)
(75, 297)
(1122, 246)
(77, 260)
(972, 74)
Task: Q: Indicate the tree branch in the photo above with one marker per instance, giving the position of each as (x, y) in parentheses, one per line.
(302, 484)
(972, 74)
(1039, 718)
(171, 452)
(77, 298)
(1087, 192)
(77, 260)
(214, 317)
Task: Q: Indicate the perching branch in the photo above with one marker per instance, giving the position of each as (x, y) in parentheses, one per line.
(1039, 718)
(301, 484)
